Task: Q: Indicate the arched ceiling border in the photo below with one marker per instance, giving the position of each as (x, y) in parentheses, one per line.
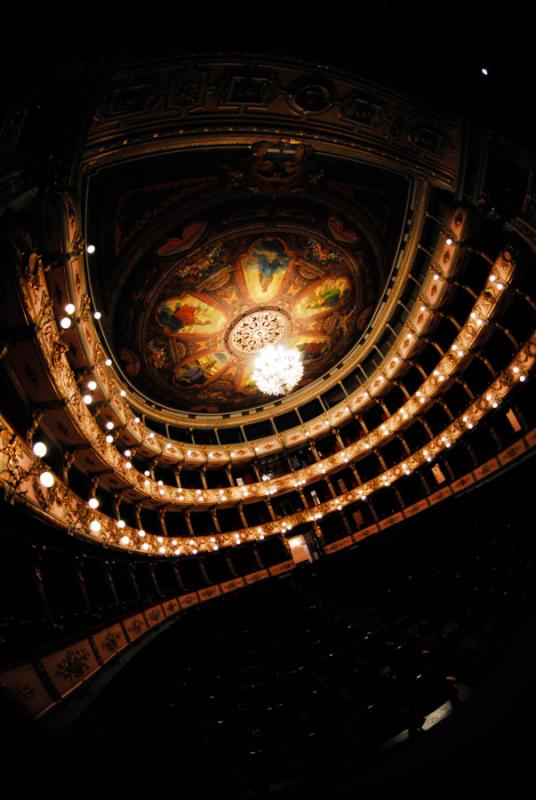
(384, 309)
(140, 111)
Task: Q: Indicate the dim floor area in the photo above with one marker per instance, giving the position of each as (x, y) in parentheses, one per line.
(408, 663)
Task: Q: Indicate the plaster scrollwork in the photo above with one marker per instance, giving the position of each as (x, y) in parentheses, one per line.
(46, 498)
(85, 308)
(256, 330)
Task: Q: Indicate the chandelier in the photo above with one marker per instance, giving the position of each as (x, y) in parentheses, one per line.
(278, 369)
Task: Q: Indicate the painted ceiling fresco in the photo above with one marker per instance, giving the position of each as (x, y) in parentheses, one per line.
(190, 331)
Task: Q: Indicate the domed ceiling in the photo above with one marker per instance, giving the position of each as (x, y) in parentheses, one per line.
(207, 315)
(214, 253)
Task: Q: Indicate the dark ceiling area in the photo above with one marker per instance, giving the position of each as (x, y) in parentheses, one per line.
(434, 52)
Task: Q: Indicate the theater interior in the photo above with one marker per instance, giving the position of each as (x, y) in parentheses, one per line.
(207, 586)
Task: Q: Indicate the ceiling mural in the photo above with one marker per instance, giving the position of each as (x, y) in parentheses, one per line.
(202, 260)
(204, 314)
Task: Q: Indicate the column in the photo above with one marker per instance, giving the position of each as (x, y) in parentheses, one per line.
(133, 580)
(189, 523)
(38, 576)
(154, 580)
(203, 569)
(82, 583)
(230, 565)
(215, 521)
(242, 515)
(303, 498)
(110, 581)
(345, 522)
(257, 557)
(176, 572)
(162, 517)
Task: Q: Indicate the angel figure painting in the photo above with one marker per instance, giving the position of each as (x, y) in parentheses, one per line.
(188, 314)
(264, 268)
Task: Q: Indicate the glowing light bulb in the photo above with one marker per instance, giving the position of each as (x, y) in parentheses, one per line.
(109, 438)
(120, 523)
(70, 308)
(92, 385)
(110, 425)
(47, 479)
(66, 323)
(39, 449)
(88, 399)
(94, 526)
(108, 362)
(97, 315)
(93, 502)
(90, 249)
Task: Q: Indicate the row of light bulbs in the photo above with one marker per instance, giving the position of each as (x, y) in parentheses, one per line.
(91, 385)
(493, 396)
(200, 497)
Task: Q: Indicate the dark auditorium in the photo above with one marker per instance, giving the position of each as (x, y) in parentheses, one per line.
(267, 408)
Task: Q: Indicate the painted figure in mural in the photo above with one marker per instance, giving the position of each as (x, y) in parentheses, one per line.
(190, 375)
(204, 264)
(313, 349)
(181, 316)
(271, 257)
(326, 295)
(321, 254)
(198, 372)
(341, 229)
(157, 354)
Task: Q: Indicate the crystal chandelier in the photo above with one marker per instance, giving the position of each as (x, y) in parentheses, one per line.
(278, 369)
